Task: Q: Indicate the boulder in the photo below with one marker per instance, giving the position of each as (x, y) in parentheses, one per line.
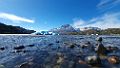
(101, 50)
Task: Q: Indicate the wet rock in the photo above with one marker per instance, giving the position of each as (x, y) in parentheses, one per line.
(82, 62)
(20, 51)
(60, 60)
(26, 65)
(93, 60)
(50, 44)
(88, 43)
(31, 45)
(72, 46)
(111, 49)
(57, 41)
(114, 59)
(85, 45)
(101, 50)
(88, 46)
(2, 66)
(99, 39)
(19, 47)
(2, 48)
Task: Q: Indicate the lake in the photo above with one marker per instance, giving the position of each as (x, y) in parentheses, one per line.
(51, 51)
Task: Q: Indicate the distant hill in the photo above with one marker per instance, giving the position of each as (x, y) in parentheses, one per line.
(9, 29)
(64, 29)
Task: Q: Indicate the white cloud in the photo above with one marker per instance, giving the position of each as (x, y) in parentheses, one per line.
(15, 18)
(78, 23)
(108, 4)
(108, 20)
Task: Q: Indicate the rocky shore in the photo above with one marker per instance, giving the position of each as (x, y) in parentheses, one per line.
(64, 51)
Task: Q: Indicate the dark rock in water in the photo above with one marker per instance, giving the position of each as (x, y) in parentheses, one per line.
(50, 44)
(72, 46)
(114, 59)
(83, 47)
(111, 49)
(101, 50)
(20, 51)
(88, 43)
(57, 41)
(19, 47)
(2, 48)
(31, 45)
(93, 60)
(99, 39)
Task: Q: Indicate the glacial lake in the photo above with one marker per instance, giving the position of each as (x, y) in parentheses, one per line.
(42, 51)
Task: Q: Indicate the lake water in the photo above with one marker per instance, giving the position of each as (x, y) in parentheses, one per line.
(44, 53)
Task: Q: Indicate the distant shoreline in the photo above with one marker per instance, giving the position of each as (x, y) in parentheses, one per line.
(21, 35)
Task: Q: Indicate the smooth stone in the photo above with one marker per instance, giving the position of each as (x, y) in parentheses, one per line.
(114, 59)
(2, 66)
(93, 60)
(81, 62)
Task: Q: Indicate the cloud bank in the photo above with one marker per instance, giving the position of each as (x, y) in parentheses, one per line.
(15, 18)
(108, 20)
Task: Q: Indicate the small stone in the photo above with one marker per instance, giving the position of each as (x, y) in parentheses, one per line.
(93, 60)
(19, 47)
(60, 54)
(60, 60)
(50, 44)
(2, 48)
(88, 43)
(114, 59)
(81, 62)
(72, 46)
(2, 66)
(57, 41)
(31, 45)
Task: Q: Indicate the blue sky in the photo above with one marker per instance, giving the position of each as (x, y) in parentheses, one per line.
(48, 14)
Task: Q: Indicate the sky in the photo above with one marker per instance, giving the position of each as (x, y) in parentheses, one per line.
(47, 14)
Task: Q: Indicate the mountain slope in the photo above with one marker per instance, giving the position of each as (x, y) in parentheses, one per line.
(9, 29)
